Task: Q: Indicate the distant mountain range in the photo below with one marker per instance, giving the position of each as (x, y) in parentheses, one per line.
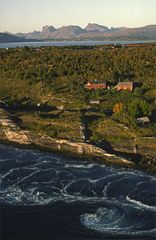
(5, 37)
(92, 31)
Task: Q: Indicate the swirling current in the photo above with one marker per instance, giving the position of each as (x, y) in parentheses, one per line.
(107, 200)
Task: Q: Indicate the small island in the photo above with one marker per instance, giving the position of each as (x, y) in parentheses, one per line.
(97, 102)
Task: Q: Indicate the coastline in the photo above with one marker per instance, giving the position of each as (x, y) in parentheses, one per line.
(79, 150)
(76, 149)
(11, 133)
(76, 42)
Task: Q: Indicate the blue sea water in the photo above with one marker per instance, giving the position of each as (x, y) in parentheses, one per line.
(66, 43)
(49, 196)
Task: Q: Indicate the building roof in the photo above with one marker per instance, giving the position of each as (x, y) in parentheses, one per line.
(125, 83)
(97, 81)
(95, 101)
(143, 119)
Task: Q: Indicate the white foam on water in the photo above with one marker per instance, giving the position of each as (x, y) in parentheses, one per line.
(140, 204)
(48, 178)
(9, 172)
(112, 221)
(81, 166)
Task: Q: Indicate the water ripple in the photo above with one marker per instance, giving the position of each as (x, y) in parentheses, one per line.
(126, 198)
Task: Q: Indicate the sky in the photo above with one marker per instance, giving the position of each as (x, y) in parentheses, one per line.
(29, 15)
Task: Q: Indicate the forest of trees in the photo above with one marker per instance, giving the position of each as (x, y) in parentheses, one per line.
(34, 74)
(69, 68)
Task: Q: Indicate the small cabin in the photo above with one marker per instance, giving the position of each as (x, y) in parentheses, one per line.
(129, 86)
(61, 107)
(143, 120)
(94, 101)
(96, 84)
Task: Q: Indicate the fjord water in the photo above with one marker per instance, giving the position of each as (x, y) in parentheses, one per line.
(68, 43)
(49, 196)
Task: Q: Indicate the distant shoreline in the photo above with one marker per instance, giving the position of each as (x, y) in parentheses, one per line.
(65, 43)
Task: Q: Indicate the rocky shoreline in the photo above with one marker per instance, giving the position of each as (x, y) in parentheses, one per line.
(31, 140)
(10, 133)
